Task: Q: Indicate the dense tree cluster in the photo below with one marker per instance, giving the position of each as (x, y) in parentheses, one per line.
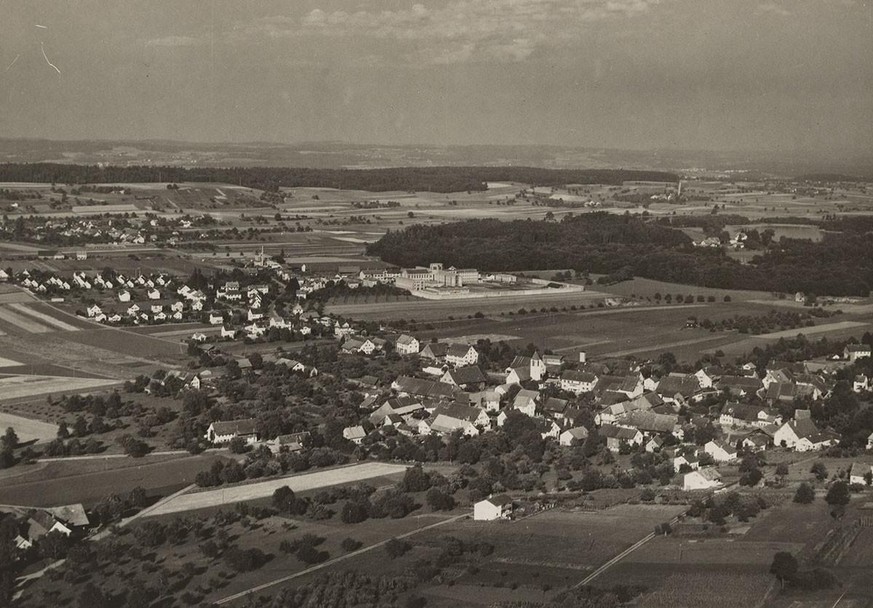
(840, 264)
(434, 179)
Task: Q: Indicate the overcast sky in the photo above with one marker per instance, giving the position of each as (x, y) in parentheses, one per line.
(643, 74)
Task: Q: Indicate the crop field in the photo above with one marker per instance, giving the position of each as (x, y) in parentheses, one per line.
(18, 387)
(616, 332)
(89, 481)
(28, 429)
(262, 489)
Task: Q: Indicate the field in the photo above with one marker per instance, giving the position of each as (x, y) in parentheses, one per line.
(262, 489)
(28, 429)
(89, 481)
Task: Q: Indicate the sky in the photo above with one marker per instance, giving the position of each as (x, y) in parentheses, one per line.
(781, 76)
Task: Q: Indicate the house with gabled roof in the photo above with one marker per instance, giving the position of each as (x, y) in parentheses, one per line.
(224, 431)
(578, 382)
(860, 473)
(461, 354)
(447, 419)
(555, 408)
(407, 345)
(618, 435)
(573, 436)
(468, 377)
(720, 451)
(802, 435)
(526, 402)
(702, 479)
(355, 434)
(493, 508)
(853, 352)
(435, 351)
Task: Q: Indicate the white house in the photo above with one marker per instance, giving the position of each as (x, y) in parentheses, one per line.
(802, 435)
(720, 451)
(858, 473)
(461, 354)
(701, 479)
(573, 436)
(526, 402)
(492, 508)
(124, 296)
(861, 383)
(355, 434)
(216, 318)
(223, 432)
(578, 382)
(853, 352)
(407, 345)
(153, 294)
(692, 461)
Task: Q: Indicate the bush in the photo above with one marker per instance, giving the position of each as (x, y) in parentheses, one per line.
(350, 544)
(310, 555)
(354, 512)
(244, 560)
(395, 548)
(804, 494)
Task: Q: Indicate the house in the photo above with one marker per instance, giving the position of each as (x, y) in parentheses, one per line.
(435, 351)
(153, 294)
(492, 508)
(216, 318)
(748, 416)
(93, 311)
(41, 523)
(526, 402)
(447, 419)
(517, 375)
(223, 432)
(461, 354)
(489, 400)
(293, 442)
(555, 407)
(578, 382)
(616, 436)
(678, 388)
(404, 407)
(802, 435)
(720, 451)
(355, 434)
(870, 441)
(407, 385)
(554, 363)
(407, 345)
(740, 385)
(686, 460)
(228, 332)
(853, 352)
(654, 444)
(467, 377)
(859, 473)
(573, 436)
(124, 296)
(701, 479)
(861, 383)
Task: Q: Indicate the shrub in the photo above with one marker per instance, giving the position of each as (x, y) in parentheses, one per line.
(351, 544)
(804, 494)
(395, 548)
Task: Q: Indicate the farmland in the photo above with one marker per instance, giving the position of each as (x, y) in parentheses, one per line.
(90, 481)
(263, 489)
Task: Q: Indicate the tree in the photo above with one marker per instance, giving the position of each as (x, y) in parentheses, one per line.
(10, 439)
(238, 445)
(784, 567)
(283, 499)
(781, 472)
(395, 548)
(354, 512)
(819, 470)
(415, 480)
(350, 544)
(438, 500)
(838, 497)
(804, 494)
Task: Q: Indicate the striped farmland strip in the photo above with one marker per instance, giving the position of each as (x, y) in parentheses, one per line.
(47, 319)
(16, 320)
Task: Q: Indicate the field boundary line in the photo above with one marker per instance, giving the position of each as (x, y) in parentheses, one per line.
(331, 562)
(603, 568)
(40, 316)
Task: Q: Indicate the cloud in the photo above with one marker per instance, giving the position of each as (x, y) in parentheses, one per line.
(173, 41)
(457, 31)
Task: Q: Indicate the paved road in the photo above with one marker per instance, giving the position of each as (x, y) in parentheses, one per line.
(263, 489)
(333, 561)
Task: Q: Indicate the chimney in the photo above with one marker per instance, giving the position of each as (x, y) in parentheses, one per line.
(582, 356)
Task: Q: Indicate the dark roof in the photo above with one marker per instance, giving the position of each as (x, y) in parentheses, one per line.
(553, 404)
(500, 500)
(245, 426)
(436, 349)
(469, 374)
(424, 388)
(458, 350)
(573, 375)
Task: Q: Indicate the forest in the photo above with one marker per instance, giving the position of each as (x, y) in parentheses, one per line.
(840, 265)
(430, 179)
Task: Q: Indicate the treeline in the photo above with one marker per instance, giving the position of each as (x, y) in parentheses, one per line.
(431, 179)
(604, 243)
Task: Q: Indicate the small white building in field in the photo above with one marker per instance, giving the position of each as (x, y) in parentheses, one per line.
(493, 507)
